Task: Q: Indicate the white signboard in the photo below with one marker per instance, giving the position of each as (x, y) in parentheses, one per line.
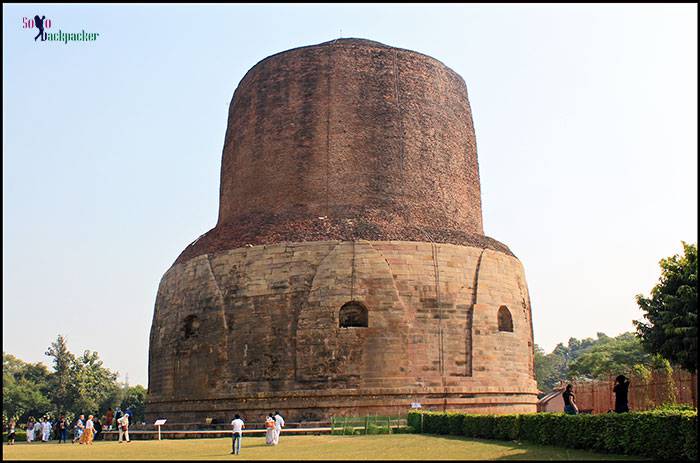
(159, 423)
(415, 405)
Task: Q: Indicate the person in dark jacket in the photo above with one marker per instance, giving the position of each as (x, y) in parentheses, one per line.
(570, 407)
(62, 429)
(621, 389)
(98, 428)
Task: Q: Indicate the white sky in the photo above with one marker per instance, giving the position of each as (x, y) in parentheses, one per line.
(586, 124)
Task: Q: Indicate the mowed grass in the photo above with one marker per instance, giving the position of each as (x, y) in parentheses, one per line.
(326, 447)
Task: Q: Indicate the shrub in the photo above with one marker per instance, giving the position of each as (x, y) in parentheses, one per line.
(676, 408)
(376, 429)
(413, 420)
(668, 433)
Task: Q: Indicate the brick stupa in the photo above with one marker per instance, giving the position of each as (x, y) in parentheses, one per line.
(348, 273)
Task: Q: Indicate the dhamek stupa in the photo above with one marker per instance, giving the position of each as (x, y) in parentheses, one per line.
(348, 272)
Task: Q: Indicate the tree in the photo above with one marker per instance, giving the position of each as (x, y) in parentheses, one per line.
(622, 354)
(24, 388)
(76, 385)
(671, 312)
(593, 359)
(135, 398)
(62, 378)
(93, 383)
(549, 368)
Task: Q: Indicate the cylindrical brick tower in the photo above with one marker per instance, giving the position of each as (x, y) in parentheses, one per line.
(348, 272)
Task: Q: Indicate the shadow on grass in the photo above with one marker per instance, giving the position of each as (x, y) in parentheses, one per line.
(227, 453)
(529, 451)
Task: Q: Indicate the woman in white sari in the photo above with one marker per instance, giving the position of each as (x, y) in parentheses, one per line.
(30, 429)
(46, 430)
(269, 430)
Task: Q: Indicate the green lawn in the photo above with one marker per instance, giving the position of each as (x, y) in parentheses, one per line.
(394, 447)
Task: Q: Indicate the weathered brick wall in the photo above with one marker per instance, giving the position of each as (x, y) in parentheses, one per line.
(348, 130)
(268, 324)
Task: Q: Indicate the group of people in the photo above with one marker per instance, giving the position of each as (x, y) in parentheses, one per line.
(39, 430)
(620, 389)
(273, 427)
(85, 431)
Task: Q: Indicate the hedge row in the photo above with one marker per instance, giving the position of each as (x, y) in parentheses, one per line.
(660, 434)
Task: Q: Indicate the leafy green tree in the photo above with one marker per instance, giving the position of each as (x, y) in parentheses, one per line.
(61, 382)
(593, 359)
(135, 398)
(552, 368)
(93, 383)
(76, 385)
(612, 356)
(671, 312)
(549, 368)
(24, 388)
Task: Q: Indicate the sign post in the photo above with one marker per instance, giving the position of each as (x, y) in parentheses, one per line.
(159, 423)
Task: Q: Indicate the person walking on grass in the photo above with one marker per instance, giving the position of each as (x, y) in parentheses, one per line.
(46, 430)
(123, 426)
(98, 428)
(570, 407)
(270, 429)
(89, 432)
(62, 427)
(39, 429)
(78, 428)
(279, 424)
(30, 429)
(11, 432)
(621, 388)
(238, 426)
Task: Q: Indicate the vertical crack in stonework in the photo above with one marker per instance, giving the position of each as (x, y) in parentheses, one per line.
(436, 271)
(475, 285)
(527, 309)
(476, 278)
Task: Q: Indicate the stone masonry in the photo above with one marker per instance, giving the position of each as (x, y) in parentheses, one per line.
(349, 175)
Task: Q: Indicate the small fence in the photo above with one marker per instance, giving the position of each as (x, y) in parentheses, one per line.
(350, 425)
(680, 387)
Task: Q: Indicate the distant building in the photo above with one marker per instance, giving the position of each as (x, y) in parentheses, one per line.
(552, 402)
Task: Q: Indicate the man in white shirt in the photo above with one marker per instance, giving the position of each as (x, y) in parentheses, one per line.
(279, 424)
(123, 425)
(238, 426)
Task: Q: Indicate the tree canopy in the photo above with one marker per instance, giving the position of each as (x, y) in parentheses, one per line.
(77, 384)
(24, 387)
(671, 313)
(592, 359)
